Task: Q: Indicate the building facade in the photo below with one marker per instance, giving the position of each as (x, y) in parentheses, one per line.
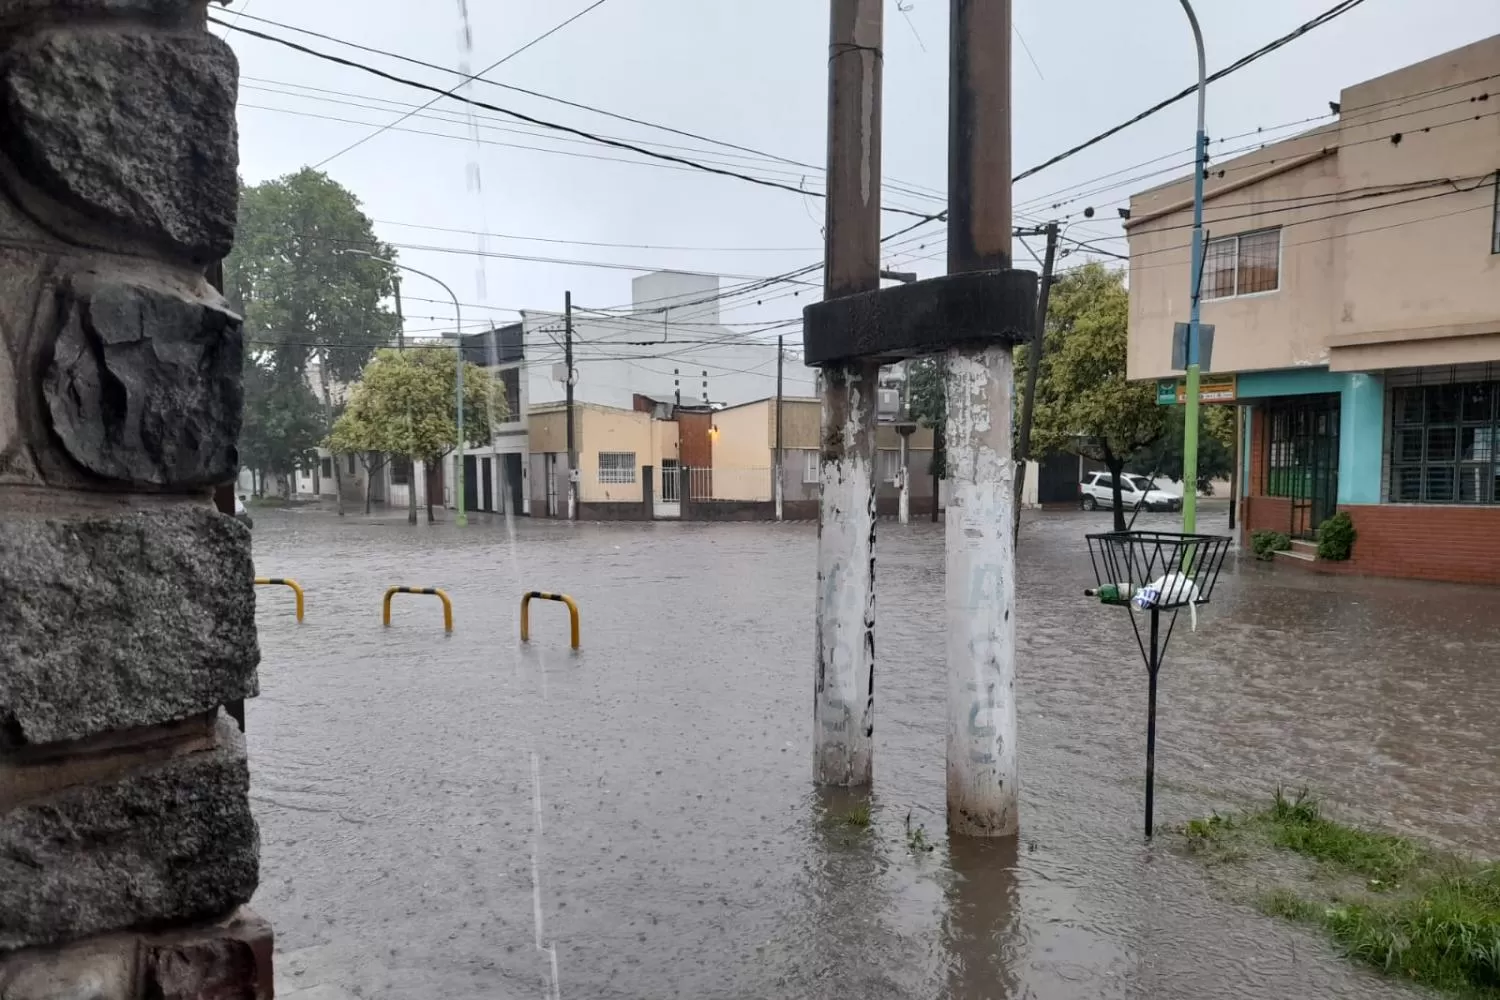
(1352, 277)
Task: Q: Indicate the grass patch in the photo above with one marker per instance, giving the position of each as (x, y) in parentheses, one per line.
(858, 815)
(1403, 908)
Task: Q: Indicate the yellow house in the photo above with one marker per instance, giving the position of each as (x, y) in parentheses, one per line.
(744, 454)
(614, 447)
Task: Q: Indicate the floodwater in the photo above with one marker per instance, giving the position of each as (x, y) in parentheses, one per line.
(460, 816)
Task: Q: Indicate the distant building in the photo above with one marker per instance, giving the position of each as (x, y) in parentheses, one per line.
(1352, 274)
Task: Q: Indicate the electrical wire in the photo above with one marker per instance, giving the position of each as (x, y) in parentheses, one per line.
(568, 129)
(1338, 9)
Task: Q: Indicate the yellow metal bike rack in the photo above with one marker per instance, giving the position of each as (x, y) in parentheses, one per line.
(277, 581)
(543, 596)
(447, 604)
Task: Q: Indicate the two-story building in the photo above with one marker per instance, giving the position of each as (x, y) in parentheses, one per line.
(1352, 275)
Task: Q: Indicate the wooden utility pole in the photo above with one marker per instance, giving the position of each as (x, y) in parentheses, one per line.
(844, 684)
(1033, 367)
(980, 550)
(568, 381)
(779, 472)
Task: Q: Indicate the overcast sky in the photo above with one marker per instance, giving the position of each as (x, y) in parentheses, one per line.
(753, 74)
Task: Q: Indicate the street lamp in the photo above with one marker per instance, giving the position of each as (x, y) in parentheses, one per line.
(462, 518)
(1190, 416)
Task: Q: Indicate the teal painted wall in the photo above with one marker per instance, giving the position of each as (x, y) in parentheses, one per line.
(1361, 421)
(1361, 438)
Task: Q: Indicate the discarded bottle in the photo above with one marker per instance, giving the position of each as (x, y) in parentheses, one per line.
(1110, 593)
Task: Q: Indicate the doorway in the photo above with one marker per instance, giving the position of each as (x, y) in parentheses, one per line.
(1301, 459)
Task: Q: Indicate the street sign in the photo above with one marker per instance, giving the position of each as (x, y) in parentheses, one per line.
(1211, 389)
(1205, 346)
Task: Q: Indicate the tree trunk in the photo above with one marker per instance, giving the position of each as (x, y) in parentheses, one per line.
(427, 470)
(369, 481)
(939, 459)
(338, 471)
(1116, 467)
(411, 490)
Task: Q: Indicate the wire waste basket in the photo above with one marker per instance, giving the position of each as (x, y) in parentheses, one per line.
(1153, 572)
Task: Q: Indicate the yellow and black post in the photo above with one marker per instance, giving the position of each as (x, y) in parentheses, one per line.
(276, 581)
(544, 596)
(432, 591)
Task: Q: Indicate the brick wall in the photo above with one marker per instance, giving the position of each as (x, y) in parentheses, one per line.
(1427, 542)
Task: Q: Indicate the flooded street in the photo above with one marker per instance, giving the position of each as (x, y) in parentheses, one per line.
(460, 816)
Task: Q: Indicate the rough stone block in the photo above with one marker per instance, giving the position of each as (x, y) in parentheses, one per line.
(174, 842)
(98, 970)
(164, 12)
(231, 962)
(133, 129)
(122, 622)
(143, 386)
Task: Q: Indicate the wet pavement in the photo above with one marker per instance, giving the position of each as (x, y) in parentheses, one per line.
(456, 817)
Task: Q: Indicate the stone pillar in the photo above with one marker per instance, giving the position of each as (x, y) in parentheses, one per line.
(127, 848)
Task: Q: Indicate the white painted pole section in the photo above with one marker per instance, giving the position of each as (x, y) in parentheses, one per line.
(903, 510)
(844, 692)
(777, 485)
(981, 594)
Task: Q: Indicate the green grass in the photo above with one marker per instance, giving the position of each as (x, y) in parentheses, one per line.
(1387, 901)
(858, 815)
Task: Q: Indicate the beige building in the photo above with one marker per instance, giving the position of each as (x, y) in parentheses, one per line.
(745, 448)
(614, 447)
(1352, 275)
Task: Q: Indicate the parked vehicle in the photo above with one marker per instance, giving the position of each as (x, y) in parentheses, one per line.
(1098, 491)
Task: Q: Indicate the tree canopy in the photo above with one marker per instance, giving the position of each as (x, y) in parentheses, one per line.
(305, 301)
(929, 405)
(1215, 446)
(404, 404)
(1085, 405)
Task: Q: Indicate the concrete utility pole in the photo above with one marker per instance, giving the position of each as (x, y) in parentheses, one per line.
(903, 510)
(1190, 410)
(400, 319)
(844, 688)
(776, 486)
(1033, 368)
(568, 381)
(982, 792)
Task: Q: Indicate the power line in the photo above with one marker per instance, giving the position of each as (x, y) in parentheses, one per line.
(458, 86)
(1343, 7)
(918, 190)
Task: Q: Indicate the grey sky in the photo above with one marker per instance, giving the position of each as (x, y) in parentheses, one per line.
(754, 74)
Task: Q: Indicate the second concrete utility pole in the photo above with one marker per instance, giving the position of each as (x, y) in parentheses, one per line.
(568, 380)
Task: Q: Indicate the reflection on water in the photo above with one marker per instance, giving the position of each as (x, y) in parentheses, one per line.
(686, 853)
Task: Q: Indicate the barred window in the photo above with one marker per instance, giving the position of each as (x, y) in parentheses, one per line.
(1445, 442)
(811, 465)
(617, 467)
(1247, 264)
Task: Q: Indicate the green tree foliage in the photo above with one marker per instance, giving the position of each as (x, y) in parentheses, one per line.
(1084, 404)
(929, 405)
(282, 425)
(305, 302)
(1215, 446)
(405, 404)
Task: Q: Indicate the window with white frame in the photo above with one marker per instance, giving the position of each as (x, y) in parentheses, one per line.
(890, 464)
(1495, 228)
(1247, 264)
(811, 465)
(617, 467)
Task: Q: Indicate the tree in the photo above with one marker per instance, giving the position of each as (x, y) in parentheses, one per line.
(1084, 403)
(305, 300)
(404, 404)
(1215, 446)
(929, 407)
(282, 423)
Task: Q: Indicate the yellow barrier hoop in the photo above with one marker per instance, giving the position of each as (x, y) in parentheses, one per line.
(544, 596)
(278, 581)
(433, 591)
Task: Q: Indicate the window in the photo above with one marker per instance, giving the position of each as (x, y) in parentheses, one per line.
(811, 466)
(1445, 443)
(1495, 228)
(510, 382)
(617, 467)
(351, 465)
(400, 471)
(890, 464)
(327, 468)
(1247, 264)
